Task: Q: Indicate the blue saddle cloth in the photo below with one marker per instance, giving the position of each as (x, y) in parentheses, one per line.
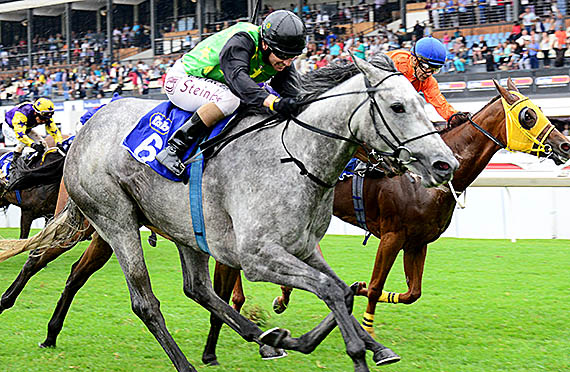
(5, 162)
(151, 134)
(349, 169)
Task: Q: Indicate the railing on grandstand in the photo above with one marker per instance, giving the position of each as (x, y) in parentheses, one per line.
(480, 13)
(17, 57)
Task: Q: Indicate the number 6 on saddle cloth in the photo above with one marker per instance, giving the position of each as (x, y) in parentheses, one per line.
(151, 134)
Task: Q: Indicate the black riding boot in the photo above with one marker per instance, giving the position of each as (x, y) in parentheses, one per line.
(178, 144)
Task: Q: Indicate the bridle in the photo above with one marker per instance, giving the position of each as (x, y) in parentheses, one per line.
(400, 153)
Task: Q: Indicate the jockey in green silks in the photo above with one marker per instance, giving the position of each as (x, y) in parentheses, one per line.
(223, 71)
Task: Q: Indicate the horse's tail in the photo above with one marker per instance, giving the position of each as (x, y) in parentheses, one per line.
(64, 231)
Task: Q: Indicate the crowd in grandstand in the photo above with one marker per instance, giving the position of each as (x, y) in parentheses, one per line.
(538, 38)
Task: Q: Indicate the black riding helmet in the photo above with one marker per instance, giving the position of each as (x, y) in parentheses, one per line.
(285, 33)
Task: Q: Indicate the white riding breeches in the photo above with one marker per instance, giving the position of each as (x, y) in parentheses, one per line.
(191, 92)
(10, 138)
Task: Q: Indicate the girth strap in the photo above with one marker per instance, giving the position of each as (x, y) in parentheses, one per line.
(358, 203)
(195, 181)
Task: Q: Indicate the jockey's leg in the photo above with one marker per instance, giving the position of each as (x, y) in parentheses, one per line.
(206, 117)
(211, 101)
(178, 144)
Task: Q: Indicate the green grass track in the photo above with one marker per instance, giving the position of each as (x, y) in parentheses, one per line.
(487, 305)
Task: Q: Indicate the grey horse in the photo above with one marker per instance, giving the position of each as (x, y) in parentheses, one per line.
(261, 216)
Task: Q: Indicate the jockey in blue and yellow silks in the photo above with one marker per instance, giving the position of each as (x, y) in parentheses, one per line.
(22, 119)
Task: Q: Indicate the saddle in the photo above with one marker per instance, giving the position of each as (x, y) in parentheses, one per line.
(33, 170)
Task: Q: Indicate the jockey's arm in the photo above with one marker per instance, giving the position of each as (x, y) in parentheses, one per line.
(19, 123)
(54, 131)
(433, 96)
(235, 62)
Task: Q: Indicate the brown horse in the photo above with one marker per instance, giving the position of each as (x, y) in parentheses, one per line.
(399, 209)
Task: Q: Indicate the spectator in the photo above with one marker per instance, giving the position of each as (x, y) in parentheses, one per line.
(515, 32)
(524, 60)
(335, 49)
(546, 44)
(418, 30)
(560, 46)
(460, 59)
(359, 50)
(523, 38)
(528, 19)
(533, 48)
(489, 61)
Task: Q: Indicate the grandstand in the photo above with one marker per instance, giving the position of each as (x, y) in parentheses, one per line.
(36, 42)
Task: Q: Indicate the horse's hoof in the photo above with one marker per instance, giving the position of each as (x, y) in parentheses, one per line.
(274, 336)
(278, 307)
(269, 352)
(385, 356)
(210, 360)
(45, 345)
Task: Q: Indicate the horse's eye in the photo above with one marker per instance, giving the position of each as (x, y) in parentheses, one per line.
(398, 108)
(527, 118)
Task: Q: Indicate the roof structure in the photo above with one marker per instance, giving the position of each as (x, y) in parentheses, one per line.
(16, 11)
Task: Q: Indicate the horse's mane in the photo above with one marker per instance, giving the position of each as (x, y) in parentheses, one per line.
(319, 81)
(450, 127)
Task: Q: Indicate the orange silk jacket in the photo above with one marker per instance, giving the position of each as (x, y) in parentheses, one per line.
(430, 89)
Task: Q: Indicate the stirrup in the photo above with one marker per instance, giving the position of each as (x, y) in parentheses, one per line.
(169, 158)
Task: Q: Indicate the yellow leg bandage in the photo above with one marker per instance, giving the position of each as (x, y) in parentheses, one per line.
(390, 297)
(368, 322)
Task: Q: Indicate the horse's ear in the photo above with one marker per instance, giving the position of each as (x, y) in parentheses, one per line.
(510, 98)
(364, 66)
(511, 85)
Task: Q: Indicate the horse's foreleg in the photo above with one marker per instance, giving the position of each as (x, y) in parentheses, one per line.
(414, 270)
(224, 279)
(313, 275)
(388, 249)
(26, 219)
(32, 265)
(382, 355)
(94, 258)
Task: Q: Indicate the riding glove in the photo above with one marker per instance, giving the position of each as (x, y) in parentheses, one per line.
(38, 147)
(286, 106)
(458, 118)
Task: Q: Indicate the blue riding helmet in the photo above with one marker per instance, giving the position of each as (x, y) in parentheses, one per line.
(430, 50)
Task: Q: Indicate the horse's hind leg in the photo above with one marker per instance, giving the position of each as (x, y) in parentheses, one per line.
(95, 257)
(32, 265)
(198, 286)
(224, 279)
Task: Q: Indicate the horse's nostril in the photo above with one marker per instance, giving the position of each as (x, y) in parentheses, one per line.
(565, 146)
(442, 166)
